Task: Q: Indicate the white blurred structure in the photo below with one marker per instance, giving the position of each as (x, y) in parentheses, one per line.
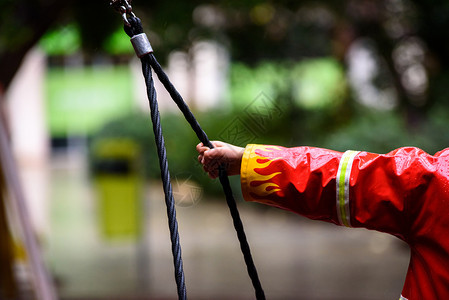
(201, 77)
(365, 65)
(210, 64)
(25, 111)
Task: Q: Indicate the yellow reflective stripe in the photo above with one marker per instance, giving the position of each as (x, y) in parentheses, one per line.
(403, 298)
(343, 178)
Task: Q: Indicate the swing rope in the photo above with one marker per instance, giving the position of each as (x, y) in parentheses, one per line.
(149, 61)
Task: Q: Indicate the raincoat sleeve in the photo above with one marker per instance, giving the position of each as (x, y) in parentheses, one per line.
(355, 189)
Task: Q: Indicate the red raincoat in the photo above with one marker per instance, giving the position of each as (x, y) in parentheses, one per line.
(404, 193)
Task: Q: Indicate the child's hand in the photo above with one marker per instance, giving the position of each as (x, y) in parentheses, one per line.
(228, 155)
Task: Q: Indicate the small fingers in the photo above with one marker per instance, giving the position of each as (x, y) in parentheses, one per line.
(202, 149)
(211, 158)
(216, 154)
(211, 172)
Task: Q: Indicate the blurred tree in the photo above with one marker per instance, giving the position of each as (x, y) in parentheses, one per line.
(22, 24)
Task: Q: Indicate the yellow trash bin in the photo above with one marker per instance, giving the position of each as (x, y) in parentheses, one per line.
(118, 183)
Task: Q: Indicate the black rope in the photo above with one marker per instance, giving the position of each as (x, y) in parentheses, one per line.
(150, 60)
(163, 163)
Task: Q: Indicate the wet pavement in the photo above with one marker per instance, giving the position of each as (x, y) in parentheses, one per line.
(296, 258)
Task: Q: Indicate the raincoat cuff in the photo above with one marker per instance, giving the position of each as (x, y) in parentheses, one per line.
(245, 171)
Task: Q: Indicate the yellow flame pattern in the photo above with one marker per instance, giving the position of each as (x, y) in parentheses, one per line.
(257, 159)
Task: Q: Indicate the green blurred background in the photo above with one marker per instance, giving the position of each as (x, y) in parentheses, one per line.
(364, 75)
(301, 55)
